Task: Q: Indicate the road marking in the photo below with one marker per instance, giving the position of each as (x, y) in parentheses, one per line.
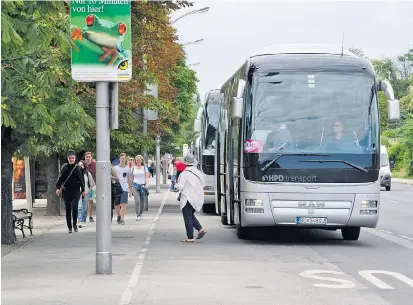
(388, 232)
(343, 284)
(393, 201)
(127, 293)
(406, 237)
(368, 275)
(346, 284)
(397, 240)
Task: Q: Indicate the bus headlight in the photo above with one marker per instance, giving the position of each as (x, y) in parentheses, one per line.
(253, 202)
(368, 204)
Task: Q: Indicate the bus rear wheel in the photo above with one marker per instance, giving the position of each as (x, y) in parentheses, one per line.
(350, 233)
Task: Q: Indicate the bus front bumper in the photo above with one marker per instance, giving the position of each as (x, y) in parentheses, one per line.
(309, 210)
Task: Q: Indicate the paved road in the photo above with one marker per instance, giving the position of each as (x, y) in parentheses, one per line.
(283, 267)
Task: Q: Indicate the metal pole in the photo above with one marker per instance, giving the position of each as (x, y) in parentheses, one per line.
(145, 132)
(165, 165)
(158, 164)
(103, 188)
(28, 181)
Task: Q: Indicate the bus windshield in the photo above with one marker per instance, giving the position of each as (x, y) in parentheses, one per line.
(320, 112)
(211, 124)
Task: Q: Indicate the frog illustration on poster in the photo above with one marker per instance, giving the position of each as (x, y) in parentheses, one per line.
(101, 36)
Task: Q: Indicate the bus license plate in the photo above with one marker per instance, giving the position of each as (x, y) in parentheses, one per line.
(311, 220)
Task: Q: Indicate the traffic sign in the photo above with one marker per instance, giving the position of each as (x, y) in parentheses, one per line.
(101, 32)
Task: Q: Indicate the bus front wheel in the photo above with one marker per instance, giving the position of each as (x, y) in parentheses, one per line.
(350, 233)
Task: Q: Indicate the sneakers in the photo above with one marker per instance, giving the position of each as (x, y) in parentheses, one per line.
(119, 219)
(91, 219)
(138, 218)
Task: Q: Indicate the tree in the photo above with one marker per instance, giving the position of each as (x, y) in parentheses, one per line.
(38, 104)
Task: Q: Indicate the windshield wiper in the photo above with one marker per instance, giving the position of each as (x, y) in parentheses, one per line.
(279, 155)
(359, 168)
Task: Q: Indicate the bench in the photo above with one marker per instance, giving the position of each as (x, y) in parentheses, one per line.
(19, 216)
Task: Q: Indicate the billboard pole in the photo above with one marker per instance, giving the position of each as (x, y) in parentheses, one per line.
(103, 176)
(106, 64)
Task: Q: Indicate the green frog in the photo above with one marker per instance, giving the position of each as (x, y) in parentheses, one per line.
(105, 34)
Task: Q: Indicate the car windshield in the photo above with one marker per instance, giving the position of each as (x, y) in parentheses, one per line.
(321, 112)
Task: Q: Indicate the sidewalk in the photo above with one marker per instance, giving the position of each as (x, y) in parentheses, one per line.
(59, 268)
(42, 223)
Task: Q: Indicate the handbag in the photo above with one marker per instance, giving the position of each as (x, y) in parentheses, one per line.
(63, 184)
(117, 189)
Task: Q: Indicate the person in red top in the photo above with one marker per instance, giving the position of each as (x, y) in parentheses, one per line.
(91, 166)
(180, 167)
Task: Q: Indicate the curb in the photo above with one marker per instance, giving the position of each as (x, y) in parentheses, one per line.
(403, 181)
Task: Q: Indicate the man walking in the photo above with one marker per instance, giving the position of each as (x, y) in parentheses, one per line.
(124, 173)
(191, 184)
(91, 167)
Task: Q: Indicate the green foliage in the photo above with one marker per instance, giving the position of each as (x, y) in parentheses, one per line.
(398, 137)
(38, 101)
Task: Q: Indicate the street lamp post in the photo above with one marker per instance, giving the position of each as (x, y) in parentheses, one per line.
(194, 64)
(200, 11)
(193, 42)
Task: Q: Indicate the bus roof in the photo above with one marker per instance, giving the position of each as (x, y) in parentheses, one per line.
(302, 48)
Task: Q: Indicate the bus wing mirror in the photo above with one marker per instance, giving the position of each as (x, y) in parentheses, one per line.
(237, 104)
(393, 109)
(393, 105)
(197, 125)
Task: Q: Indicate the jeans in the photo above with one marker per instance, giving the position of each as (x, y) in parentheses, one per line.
(141, 200)
(71, 199)
(82, 208)
(190, 220)
(173, 181)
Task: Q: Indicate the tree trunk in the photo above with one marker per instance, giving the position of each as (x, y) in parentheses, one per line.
(7, 237)
(52, 172)
(8, 147)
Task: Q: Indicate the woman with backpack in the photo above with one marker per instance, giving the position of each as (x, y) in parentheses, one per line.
(84, 200)
(140, 182)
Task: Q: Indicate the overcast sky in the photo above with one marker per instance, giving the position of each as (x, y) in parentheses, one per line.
(233, 29)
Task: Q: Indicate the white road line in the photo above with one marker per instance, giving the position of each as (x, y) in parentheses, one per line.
(127, 293)
(393, 201)
(388, 232)
(397, 240)
(406, 237)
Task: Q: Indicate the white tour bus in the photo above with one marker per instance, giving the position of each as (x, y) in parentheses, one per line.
(298, 142)
(206, 124)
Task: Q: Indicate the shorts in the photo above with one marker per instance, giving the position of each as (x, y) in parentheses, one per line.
(123, 198)
(92, 193)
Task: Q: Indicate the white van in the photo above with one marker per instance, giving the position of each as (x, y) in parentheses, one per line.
(385, 175)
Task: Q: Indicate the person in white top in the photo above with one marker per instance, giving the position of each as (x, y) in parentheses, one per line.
(139, 184)
(191, 184)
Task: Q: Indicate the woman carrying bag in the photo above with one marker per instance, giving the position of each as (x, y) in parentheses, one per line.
(140, 182)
